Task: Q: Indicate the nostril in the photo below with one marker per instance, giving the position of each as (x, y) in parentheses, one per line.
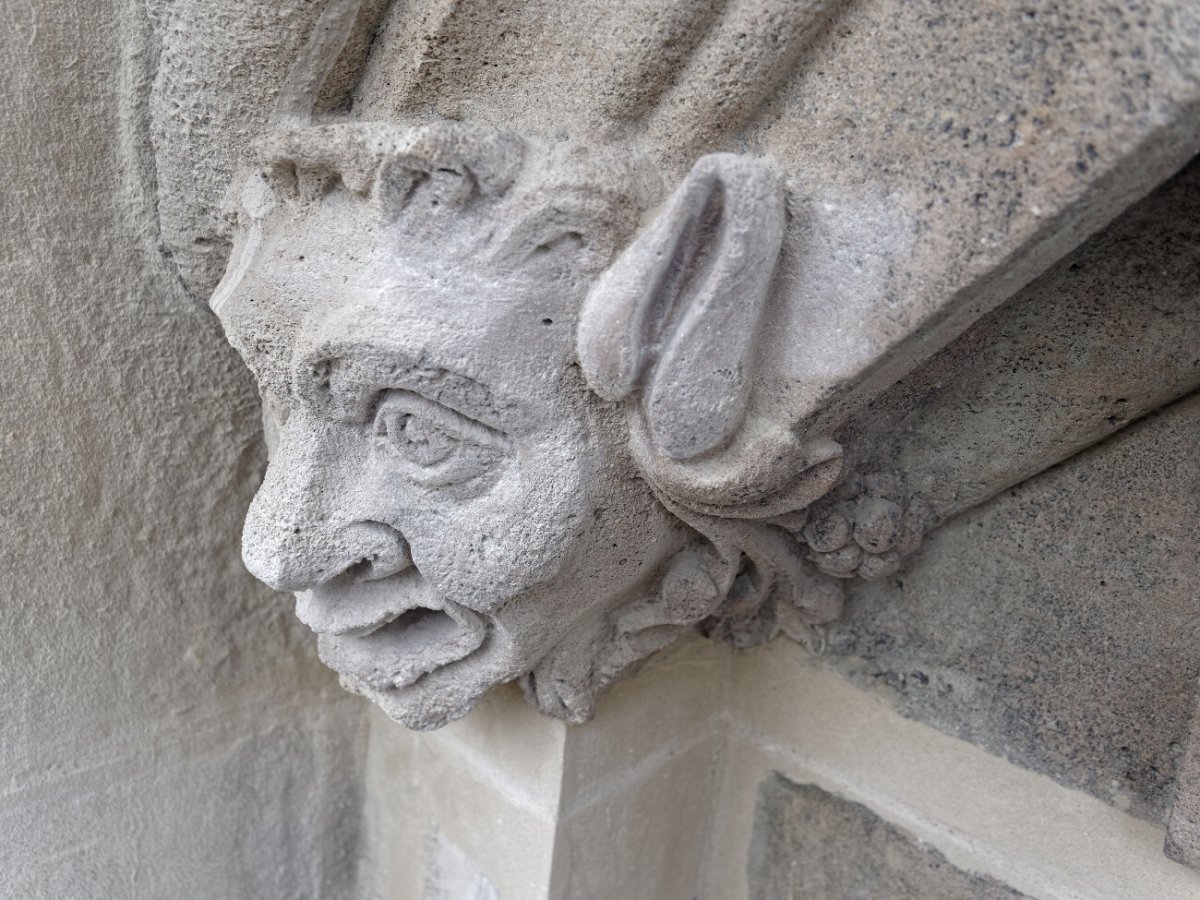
(388, 553)
(299, 557)
(361, 570)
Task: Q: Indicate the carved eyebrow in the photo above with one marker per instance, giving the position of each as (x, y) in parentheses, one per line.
(467, 426)
(349, 378)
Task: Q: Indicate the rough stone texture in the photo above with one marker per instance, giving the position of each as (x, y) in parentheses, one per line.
(453, 504)
(924, 193)
(1057, 624)
(759, 215)
(209, 76)
(1183, 828)
(1108, 333)
(812, 844)
(403, 283)
(166, 732)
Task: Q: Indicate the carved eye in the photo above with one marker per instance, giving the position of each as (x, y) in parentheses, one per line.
(437, 445)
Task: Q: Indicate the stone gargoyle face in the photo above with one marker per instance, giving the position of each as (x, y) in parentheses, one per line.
(496, 452)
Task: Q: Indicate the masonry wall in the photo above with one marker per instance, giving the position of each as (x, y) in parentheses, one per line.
(165, 729)
(1048, 639)
(1002, 718)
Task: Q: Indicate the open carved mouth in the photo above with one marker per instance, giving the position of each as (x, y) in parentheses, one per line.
(389, 633)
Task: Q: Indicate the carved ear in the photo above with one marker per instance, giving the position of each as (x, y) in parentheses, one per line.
(676, 315)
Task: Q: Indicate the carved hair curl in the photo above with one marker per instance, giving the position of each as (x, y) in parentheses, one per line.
(501, 197)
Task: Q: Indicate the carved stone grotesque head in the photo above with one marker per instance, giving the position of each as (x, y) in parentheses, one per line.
(511, 396)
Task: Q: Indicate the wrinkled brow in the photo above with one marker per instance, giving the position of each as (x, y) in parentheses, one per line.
(346, 378)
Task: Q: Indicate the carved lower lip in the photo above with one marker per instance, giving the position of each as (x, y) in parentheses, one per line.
(398, 654)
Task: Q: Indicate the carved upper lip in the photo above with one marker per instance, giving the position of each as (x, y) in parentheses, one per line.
(356, 608)
(388, 633)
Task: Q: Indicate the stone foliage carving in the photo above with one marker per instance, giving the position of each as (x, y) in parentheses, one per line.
(514, 432)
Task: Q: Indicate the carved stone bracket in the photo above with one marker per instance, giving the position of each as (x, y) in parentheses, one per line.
(540, 406)
(504, 450)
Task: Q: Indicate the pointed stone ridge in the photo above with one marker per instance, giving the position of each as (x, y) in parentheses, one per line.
(1182, 843)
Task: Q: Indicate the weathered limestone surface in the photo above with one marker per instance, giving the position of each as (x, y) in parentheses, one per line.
(1183, 826)
(424, 264)
(812, 844)
(925, 193)
(1107, 334)
(209, 77)
(576, 331)
(165, 730)
(790, 713)
(1056, 625)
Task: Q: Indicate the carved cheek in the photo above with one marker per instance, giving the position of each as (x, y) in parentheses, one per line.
(484, 551)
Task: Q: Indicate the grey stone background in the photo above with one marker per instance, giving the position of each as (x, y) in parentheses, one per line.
(1057, 624)
(811, 844)
(165, 729)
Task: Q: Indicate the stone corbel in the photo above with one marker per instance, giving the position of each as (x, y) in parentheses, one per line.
(415, 301)
(537, 413)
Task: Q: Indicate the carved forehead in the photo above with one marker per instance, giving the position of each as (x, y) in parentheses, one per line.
(454, 231)
(459, 188)
(318, 291)
(489, 348)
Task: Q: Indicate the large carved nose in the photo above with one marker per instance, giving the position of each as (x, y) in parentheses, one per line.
(300, 531)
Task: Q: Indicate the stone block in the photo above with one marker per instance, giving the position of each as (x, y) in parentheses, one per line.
(473, 806)
(813, 844)
(688, 683)
(645, 835)
(1107, 334)
(1183, 827)
(1056, 625)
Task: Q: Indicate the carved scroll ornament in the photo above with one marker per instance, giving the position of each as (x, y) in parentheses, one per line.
(517, 415)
